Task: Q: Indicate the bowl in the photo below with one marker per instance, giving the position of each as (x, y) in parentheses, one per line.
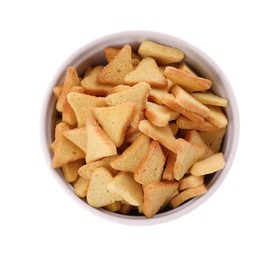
(92, 54)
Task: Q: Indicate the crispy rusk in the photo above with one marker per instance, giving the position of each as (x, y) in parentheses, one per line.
(98, 143)
(185, 123)
(151, 167)
(78, 136)
(187, 194)
(70, 170)
(64, 150)
(184, 99)
(82, 105)
(137, 94)
(114, 73)
(92, 86)
(193, 137)
(169, 100)
(114, 120)
(190, 181)
(183, 66)
(86, 170)
(146, 71)
(71, 80)
(133, 155)
(214, 139)
(161, 53)
(98, 195)
(217, 117)
(187, 155)
(81, 186)
(188, 81)
(155, 196)
(209, 165)
(208, 98)
(124, 185)
(159, 115)
(163, 135)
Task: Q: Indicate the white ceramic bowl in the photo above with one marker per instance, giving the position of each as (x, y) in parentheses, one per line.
(92, 54)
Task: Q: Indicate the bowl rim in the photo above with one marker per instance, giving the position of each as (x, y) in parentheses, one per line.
(139, 35)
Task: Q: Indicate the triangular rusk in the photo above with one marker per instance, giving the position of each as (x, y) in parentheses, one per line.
(116, 70)
(114, 120)
(147, 71)
(187, 155)
(137, 94)
(98, 143)
(64, 150)
(78, 136)
(155, 195)
(133, 155)
(82, 105)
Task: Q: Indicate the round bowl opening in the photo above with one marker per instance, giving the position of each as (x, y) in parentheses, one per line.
(92, 54)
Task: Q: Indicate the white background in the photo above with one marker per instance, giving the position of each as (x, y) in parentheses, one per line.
(39, 221)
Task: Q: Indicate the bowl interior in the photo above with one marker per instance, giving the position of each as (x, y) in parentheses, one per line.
(92, 54)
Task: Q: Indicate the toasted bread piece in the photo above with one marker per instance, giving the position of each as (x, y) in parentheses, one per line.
(190, 181)
(78, 136)
(98, 195)
(146, 71)
(161, 134)
(92, 86)
(133, 155)
(156, 94)
(217, 117)
(188, 81)
(114, 120)
(155, 195)
(111, 52)
(168, 171)
(208, 98)
(98, 143)
(124, 185)
(214, 139)
(57, 91)
(137, 94)
(70, 170)
(159, 115)
(187, 155)
(169, 100)
(116, 70)
(185, 123)
(183, 66)
(209, 165)
(81, 186)
(64, 150)
(86, 170)
(68, 114)
(184, 99)
(161, 53)
(151, 167)
(187, 194)
(71, 80)
(193, 137)
(82, 105)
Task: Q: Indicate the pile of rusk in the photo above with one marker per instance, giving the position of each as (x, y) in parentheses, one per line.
(138, 135)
